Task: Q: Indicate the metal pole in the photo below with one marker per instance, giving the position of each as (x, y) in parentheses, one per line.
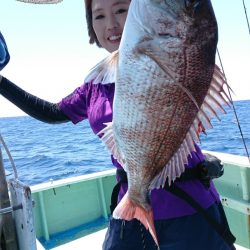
(8, 238)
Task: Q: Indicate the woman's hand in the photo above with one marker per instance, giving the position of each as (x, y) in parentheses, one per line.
(4, 54)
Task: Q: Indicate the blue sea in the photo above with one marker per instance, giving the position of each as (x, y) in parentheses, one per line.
(42, 152)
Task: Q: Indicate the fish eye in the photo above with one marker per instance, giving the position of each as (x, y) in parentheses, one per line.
(190, 3)
(194, 6)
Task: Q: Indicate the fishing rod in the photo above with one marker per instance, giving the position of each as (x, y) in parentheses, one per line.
(229, 91)
(245, 9)
(234, 109)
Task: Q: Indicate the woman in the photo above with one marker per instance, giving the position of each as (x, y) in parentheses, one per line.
(178, 225)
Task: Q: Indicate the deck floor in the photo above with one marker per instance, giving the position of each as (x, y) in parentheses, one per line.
(95, 241)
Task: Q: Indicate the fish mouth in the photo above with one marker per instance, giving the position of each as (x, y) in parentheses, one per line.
(162, 34)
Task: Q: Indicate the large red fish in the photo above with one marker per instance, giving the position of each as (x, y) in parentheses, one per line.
(167, 89)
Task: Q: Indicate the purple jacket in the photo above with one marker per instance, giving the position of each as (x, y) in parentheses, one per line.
(94, 102)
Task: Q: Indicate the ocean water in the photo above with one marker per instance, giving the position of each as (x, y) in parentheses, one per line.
(42, 152)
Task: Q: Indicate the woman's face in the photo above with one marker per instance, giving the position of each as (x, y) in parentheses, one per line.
(108, 21)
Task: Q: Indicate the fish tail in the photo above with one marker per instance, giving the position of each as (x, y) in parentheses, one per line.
(128, 210)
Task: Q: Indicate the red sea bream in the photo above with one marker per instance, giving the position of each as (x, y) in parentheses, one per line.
(168, 88)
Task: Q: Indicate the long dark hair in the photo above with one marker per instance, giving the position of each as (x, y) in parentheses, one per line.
(91, 32)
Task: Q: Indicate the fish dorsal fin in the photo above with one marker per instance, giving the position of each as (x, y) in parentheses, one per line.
(213, 103)
(109, 141)
(105, 71)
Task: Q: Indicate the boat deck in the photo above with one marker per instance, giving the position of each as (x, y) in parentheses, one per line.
(95, 241)
(58, 207)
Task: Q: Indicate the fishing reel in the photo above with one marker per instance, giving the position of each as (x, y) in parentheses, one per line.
(209, 169)
(4, 53)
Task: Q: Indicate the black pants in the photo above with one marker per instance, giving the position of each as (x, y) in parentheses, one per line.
(185, 233)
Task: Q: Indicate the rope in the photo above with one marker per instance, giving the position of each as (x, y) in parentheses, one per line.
(245, 9)
(234, 109)
(9, 155)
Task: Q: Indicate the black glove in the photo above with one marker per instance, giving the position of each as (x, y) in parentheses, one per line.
(4, 54)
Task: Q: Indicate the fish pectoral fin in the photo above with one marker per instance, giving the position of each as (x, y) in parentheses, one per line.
(109, 141)
(153, 49)
(105, 71)
(128, 210)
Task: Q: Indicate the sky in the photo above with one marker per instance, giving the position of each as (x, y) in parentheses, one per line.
(50, 53)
